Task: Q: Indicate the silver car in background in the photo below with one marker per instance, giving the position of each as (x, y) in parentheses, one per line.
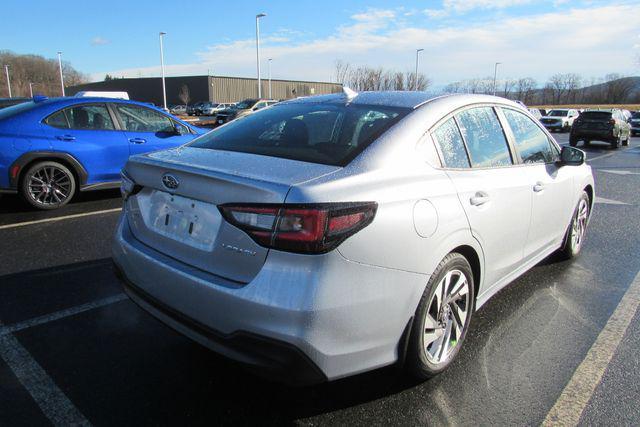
(331, 235)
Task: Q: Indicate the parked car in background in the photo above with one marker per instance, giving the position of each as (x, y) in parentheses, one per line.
(242, 109)
(601, 125)
(193, 109)
(635, 123)
(535, 113)
(178, 109)
(627, 114)
(214, 108)
(559, 119)
(543, 111)
(327, 236)
(8, 102)
(52, 148)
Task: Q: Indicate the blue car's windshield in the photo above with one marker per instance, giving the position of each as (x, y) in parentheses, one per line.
(5, 113)
(331, 134)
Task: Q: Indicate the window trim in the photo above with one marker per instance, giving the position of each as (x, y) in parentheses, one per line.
(106, 105)
(514, 158)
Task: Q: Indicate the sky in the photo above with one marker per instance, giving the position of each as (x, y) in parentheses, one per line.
(461, 39)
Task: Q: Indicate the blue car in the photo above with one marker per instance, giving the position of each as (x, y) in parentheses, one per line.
(51, 148)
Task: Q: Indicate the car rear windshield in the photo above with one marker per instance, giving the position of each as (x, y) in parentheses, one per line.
(330, 134)
(558, 113)
(635, 115)
(596, 115)
(5, 113)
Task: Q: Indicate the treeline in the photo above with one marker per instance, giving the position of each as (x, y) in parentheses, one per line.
(560, 89)
(369, 78)
(41, 72)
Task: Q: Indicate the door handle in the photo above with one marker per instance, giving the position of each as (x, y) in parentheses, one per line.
(137, 140)
(479, 199)
(66, 137)
(538, 187)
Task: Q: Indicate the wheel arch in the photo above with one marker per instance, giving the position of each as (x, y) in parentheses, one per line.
(476, 267)
(589, 189)
(28, 159)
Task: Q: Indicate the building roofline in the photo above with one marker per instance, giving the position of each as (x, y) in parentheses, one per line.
(212, 76)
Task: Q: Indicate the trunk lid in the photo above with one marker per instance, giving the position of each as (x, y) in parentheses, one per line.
(183, 221)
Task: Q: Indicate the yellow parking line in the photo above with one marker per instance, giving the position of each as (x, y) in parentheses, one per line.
(576, 395)
(58, 218)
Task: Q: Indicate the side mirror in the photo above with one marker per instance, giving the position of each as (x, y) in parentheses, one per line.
(570, 156)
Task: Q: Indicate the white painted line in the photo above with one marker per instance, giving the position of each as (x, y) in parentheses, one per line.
(58, 218)
(576, 395)
(53, 403)
(619, 172)
(609, 201)
(41, 320)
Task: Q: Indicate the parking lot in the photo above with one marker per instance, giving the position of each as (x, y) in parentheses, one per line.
(74, 349)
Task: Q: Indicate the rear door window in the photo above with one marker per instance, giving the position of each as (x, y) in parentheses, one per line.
(531, 142)
(58, 120)
(89, 117)
(484, 137)
(141, 119)
(451, 145)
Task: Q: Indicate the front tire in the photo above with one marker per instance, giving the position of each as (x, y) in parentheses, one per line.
(442, 318)
(48, 185)
(575, 235)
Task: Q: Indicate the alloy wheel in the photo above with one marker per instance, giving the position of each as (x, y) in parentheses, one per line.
(579, 225)
(446, 317)
(49, 186)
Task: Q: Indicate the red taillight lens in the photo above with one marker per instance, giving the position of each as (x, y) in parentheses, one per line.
(301, 228)
(612, 121)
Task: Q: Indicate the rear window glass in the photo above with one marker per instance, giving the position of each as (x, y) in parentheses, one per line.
(317, 133)
(558, 113)
(5, 113)
(596, 115)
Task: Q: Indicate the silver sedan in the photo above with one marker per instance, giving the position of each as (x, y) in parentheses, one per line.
(331, 235)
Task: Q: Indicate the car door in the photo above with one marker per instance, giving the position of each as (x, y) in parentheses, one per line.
(89, 134)
(550, 185)
(149, 130)
(494, 194)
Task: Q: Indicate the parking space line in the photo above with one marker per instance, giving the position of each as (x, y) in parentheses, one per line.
(53, 403)
(41, 320)
(58, 218)
(610, 154)
(577, 393)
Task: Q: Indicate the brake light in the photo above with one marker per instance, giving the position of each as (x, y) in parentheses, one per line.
(310, 229)
(612, 121)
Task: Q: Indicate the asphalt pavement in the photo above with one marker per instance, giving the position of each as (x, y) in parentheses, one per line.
(74, 349)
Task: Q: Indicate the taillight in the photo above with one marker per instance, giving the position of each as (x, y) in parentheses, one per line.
(309, 229)
(612, 121)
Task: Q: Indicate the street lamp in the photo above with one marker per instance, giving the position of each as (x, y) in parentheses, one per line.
(6, 70)
(60, 68)
(31, 89)
(269, 62)
(164, 88)
(258, 16)
(495, 74)
(417, 52)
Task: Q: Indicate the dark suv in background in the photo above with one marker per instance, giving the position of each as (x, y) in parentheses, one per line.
(601, 125)
(242, 109)
(635, 123)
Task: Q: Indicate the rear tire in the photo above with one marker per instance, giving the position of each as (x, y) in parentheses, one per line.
(48, 185)
(573, 142)
(442, 318)
(575, 235)
(626, 141)
(616, 142)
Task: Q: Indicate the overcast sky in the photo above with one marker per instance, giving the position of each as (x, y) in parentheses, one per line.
(461, 38)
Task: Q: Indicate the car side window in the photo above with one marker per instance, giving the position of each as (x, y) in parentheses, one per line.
(531, 142)
(58, 120)
(89, 117)
(451, 145)
(484, 137)
(260, 105)
(140, 119)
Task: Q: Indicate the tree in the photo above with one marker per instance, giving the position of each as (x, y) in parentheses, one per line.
(184, 95)
(369, 78)
(108, 77)
(563, 86)
(525, 88)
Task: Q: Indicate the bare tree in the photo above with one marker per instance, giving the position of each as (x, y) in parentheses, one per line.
(525, 88)
(618, 88)
(368, 78)
(508, 86)
(562, 86)
(184, 95)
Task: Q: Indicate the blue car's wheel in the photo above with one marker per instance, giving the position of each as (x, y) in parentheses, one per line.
(48, 185)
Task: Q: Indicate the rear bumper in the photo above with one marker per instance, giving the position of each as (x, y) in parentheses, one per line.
(556, 125)
(303, 318)
(604, 134)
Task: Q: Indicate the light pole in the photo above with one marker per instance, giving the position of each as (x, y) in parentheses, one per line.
(269, 62)
(31, 89)
(6, 71)
(164, 88)
(60, 68)
(258, 16)
(495, 74)
(417, 52)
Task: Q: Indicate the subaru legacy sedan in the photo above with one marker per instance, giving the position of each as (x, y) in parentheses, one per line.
(331, 235)
(52, 148)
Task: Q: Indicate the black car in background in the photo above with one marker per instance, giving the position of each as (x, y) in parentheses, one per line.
(635, 123)
(601, 125)
(195, 109)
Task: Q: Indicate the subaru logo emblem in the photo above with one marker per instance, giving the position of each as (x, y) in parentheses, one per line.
(170, 181)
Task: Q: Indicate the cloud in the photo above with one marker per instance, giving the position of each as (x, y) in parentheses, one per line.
(584, 40)
(99, 41)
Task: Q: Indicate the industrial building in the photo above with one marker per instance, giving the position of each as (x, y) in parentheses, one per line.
(207, 88)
